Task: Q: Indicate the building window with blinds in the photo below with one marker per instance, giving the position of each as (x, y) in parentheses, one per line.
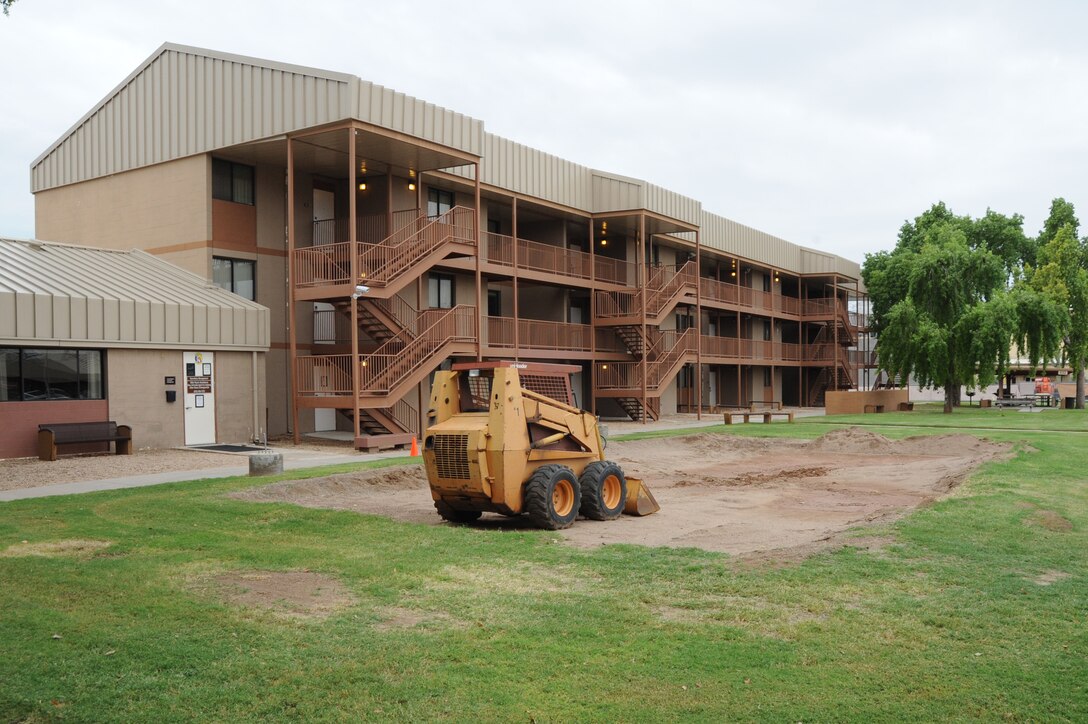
(235, 275)
(232, 182)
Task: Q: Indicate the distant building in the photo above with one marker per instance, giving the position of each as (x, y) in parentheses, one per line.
(389, 236)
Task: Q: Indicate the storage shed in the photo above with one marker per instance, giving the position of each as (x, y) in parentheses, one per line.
(91, 334)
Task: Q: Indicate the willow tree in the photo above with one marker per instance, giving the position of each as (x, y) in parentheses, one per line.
(1062, 278)
(953, 320)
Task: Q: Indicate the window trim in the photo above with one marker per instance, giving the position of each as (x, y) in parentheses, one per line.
(79, 352)
(234, 169)
(233, 281)
(438, 278)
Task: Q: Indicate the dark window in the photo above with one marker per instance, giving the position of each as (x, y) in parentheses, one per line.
(494, 226)
(51, 374)
(235, 275)
(10, 375)
(494, 303)
(232, 182)
(767, 329)
(766, 282)
(766, 376)
(440, 291)
(684, 321)
(438, 202)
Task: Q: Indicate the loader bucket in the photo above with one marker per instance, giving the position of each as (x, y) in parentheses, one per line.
(640, 501)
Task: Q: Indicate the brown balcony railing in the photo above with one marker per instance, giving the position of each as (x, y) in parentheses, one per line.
(322, 375)
(379, 264)
(551, 259)
(324, 264)
(539, 334)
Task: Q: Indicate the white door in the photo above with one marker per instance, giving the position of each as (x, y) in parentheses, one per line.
(324, 215)
(199, 381)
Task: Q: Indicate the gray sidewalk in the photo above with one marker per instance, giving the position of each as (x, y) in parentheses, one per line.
(235, 464)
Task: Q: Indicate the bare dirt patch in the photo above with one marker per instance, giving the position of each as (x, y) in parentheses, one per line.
(1050, 520)
(55, 548)
(294, 594)
(1049, 577)
(717, 492)
(398, 617)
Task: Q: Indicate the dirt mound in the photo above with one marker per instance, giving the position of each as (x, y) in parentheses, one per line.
(851, 440)
(718, 492)
(407, 477)
(951, 446)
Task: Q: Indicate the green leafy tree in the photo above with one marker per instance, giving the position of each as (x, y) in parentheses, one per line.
(1004, 236)
(939, 302)
(6, 5)
(1062, 278)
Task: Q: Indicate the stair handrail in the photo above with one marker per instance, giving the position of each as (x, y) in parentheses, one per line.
(663, 295)
(439, 331)
(382, 262)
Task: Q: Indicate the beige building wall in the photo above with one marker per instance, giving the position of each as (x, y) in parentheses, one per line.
(853, 402)
(137, 395)
(164, 209)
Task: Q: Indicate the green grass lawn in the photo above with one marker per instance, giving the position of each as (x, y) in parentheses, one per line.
(976, 607)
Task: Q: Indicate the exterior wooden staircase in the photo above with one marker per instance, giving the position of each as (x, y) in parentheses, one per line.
(323, 272)
(663, 293)
(666, 353)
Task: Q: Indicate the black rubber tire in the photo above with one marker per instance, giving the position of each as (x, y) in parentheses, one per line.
(454, 515)
(547, 486)
(601, 500)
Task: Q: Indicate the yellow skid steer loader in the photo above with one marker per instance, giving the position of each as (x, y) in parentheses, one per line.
(506, 437)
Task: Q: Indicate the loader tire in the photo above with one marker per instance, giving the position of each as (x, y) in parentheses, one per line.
(454, 515)
(604, 491)
(552, 497)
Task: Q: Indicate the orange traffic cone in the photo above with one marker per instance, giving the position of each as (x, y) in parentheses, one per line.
(415, 447)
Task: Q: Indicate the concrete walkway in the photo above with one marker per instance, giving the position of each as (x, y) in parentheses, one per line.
(234, 464)
(238, 464)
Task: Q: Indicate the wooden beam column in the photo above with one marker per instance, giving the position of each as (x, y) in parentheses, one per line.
(643, 279)
(479, 275)
(593, 364)
(698, 330)
(292, 336)
(514, 241)
(352, 234)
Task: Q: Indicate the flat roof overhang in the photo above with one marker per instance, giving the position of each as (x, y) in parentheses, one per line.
(323, 151)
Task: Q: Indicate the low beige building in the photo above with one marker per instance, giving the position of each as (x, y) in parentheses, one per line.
(89, 334)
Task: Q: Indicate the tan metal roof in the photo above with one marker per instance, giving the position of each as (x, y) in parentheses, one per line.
(82, 296)
(183, 101)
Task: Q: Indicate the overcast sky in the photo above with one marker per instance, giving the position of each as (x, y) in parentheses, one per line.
(826, 123)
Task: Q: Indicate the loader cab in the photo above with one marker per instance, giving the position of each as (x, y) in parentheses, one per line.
(550, 380)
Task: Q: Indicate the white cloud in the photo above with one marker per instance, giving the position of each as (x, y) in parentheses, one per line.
(825, 123)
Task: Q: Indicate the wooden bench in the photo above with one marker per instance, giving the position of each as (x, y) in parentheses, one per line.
(766, 415)
(906, 407)
(872, 409)
(52, 434)
(760, 405)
